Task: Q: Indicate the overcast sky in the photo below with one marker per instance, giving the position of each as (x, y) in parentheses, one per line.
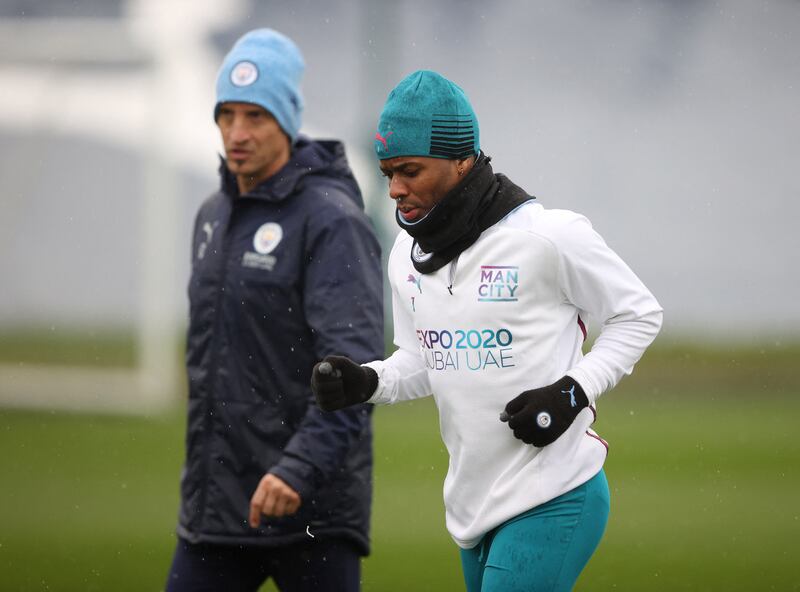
(672, 125)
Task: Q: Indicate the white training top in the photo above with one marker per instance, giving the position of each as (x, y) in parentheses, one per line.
(513, 322)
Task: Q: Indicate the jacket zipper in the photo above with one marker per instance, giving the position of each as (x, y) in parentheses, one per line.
(214, 366)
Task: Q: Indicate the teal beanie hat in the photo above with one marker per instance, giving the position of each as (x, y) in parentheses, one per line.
(427, 115)
(264, 68)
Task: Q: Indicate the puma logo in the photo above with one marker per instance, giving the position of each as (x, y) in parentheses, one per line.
(209, 230)
(416, 281)
(383, 140)
(571, 393)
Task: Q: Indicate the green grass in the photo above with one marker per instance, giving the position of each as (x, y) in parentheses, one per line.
(57, 346)
(703, 495)
(703, 469)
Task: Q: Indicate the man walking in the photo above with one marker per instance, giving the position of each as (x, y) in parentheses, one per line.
(285, 270)
(490, 292)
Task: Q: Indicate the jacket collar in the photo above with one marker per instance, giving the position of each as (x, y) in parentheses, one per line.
(308, 157)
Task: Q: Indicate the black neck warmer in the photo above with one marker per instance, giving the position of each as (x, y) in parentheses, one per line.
(480, 200)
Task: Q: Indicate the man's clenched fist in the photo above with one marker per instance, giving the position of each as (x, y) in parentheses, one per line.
(339, 382)
(272, 497)
(540, 416)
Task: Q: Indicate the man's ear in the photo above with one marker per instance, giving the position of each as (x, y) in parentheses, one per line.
(464, 165)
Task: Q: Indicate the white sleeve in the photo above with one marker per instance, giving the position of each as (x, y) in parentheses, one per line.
(403, 375)
(596, 280)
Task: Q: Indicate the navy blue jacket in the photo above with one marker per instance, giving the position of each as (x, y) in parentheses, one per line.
(281, 277)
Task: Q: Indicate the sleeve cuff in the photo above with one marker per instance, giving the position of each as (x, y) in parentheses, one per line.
(590, 387)
(297, 474)
(376, 398)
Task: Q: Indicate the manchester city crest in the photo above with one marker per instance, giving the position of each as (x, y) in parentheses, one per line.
(244, 74)
(418, 255)
(267, 237)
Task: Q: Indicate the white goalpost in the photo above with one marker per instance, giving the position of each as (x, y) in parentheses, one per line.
(158, 89)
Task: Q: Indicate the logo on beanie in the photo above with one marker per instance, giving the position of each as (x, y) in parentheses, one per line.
(244, 74)
(267, 237)
(384, 140)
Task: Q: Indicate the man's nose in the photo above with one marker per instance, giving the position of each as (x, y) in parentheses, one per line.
(238, 131)
(397, 188)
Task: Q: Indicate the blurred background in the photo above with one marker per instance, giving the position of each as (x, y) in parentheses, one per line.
(673, 126)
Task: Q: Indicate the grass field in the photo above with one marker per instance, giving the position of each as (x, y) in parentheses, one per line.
(703, 470)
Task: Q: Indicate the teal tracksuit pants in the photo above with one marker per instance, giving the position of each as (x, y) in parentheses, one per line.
(543, 549)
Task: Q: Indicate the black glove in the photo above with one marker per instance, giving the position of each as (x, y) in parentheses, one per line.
(339, 382)
(541, 415)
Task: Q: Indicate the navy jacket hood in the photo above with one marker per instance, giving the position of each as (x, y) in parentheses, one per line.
(309, 158)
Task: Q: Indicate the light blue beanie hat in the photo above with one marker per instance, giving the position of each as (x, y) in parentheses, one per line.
(427, 115)
(264, 67)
